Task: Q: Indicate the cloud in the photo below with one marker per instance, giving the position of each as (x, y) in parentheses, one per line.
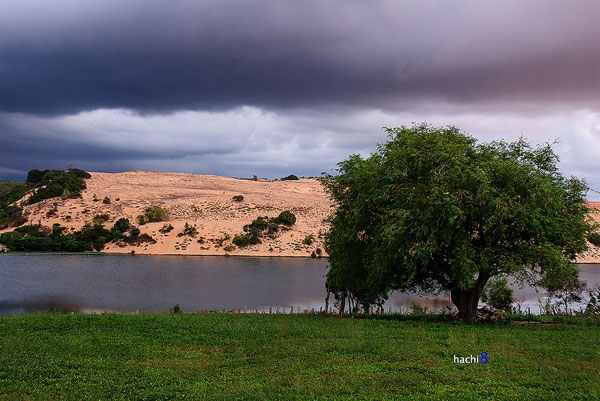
(64, 57)
(248, 140)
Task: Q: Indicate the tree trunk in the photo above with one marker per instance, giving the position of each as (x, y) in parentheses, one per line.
(467, 299)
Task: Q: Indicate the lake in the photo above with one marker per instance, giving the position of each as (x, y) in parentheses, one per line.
(95, 283)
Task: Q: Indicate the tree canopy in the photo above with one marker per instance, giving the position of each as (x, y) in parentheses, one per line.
(434, 210)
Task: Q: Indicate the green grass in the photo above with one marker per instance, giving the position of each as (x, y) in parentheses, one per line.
(222, 356)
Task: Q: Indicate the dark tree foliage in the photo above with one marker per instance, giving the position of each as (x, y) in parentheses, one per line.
(52, 183)
(37, 238)
(290, 177)
(434, 210)
(286, 218)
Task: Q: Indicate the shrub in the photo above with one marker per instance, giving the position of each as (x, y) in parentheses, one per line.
(286, 218)
(289, 178)
(594, 238)
(141, 219)
(156, 213)
(100, 218)
(134, 232)
(238, 198)
(498, 294)
(309, 239)
(188, 230)
(166, 228)
(221, 240)
(241, 240)
(229, 248)
(106, 200)
(123, 225)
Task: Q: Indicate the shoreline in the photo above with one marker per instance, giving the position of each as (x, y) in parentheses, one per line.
(161, 254)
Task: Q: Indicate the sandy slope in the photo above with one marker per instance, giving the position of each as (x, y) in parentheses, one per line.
(206, 201)
(201, 200)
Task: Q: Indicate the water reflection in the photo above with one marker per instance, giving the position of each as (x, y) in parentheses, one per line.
(94, 283)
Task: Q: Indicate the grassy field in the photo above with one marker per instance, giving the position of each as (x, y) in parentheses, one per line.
(221, 356)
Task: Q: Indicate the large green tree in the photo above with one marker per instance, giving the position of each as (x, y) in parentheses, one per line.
(434, 210)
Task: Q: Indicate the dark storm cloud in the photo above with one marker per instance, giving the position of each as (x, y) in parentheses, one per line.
(63, 57)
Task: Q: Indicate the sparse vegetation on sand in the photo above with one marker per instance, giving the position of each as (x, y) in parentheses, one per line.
(255, 230)
(238, 198)
(189, 230)
(221, 356)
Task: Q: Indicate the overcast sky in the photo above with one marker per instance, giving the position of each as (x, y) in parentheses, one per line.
(275, 87)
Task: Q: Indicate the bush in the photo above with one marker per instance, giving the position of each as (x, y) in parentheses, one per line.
(141, 219)
(286, 218)
(594, 238)
(166, 228)
(154, 214)
(188, 230)
(123, 225)
(229, 248)
(100, 218)
(238, 198)
(498, 294)
(106, 200)
(309, 239)
(289, 178)
(241, 240)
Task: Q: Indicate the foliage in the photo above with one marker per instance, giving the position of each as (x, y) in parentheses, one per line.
(43, 185)
(156, 213)
(241, 240)
(594, 238)
(188, 230)
(255, 230)
(123, 225)
(52, 183)
(228, 248)
(141, 219)
(564, 286)
(106, 200)
(290, 177)
(100, 218)
(220, 241)
(309, 239)
(220, 356)
(166, 228)
(37, 238)
(593, 305)
(498, 294)
(286, 218)
(434, 210)
(238, 198)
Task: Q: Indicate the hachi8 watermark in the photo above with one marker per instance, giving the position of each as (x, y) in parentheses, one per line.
(481, 358)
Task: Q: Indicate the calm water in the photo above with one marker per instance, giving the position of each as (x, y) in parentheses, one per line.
(30, 283)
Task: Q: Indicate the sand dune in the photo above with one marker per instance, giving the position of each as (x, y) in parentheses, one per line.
(201, 200)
